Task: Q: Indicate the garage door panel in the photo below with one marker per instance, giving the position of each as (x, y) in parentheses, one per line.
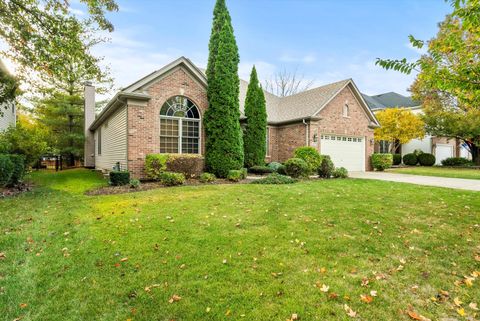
(348, 152)
(442, 151)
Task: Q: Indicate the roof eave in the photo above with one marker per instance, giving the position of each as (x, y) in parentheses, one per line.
(118, 100)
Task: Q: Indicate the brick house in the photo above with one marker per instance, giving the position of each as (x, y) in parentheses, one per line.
(441, 147)
(162, 113)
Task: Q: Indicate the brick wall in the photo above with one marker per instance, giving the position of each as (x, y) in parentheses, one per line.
(144, 120)
(333, 122)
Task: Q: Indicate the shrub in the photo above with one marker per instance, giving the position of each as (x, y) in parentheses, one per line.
(326, 168)
(340, 172)
(410, 159)
(235, 175)
(282, 170)
(187, 164)
(243, 173)
(119, 178)
(134, 183)
(417, 152)
(381, 162)
(456, 161)
(274, 166)
(172, 179)
(275, 178)
(207, 178)
(18, 171)
(155, 165)
(397, 159)
(296, 167)
(6, 169)
(310, 155)
(426, 159)
(260, 170)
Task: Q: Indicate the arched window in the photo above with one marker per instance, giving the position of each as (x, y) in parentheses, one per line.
(179, 126)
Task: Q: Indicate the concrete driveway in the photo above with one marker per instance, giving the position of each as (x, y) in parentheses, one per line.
(457, 183)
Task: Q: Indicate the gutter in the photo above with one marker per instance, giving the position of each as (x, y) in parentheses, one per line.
(118, 100)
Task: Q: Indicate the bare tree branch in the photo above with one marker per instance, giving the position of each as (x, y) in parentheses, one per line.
(287, 83)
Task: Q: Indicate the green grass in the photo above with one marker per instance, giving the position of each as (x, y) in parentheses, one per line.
(63, 251)
(440, 172)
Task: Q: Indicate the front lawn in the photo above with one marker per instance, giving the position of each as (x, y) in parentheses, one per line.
(439, 171)
(318, 249)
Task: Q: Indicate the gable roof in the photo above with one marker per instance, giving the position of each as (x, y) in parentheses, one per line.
(389, 100)
(280, 110)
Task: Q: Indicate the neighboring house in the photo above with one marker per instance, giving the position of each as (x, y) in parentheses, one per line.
(9, 111)
(441, 147)
(162, 113)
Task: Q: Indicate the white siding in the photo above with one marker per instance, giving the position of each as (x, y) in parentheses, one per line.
(113, 142)
(8, 118)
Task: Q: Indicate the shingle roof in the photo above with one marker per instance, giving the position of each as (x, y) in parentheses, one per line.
(389, 100)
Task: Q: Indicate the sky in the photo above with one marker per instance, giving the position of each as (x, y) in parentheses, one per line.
(324, 40)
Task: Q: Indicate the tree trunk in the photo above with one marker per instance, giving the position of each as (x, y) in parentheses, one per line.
(475, 150)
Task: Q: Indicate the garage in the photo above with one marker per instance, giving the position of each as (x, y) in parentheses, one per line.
(345, 151)
(442, 151)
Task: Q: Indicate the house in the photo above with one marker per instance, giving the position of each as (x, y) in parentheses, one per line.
(441, 147)
(162, 113)
(8, 112)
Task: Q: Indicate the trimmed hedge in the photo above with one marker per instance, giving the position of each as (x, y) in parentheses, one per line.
(426, 159)
(235, 175)
(12, 169)
(172, 179)
(207, 178)
(296, 167)
(310, 155)
(6, 169)
(260, 170)
(326, 168)
(410, 159)
(282, 170)
(274, 166)
(397, 159)
(456, 161)
(275, 178)
(380, 162)
(188, 164)
(340, 172)
(134, 183)
(119, 178)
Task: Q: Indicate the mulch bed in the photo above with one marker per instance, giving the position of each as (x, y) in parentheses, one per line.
(16, 190)
(145, 186)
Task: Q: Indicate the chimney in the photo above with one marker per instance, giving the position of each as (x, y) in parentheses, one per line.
(89, 113)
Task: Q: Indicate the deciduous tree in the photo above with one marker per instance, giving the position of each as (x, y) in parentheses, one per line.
(398, 126)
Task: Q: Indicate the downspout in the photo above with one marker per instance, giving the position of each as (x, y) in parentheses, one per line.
(306, 132)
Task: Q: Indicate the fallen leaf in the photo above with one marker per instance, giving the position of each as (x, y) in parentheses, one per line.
(294, 317)
(461, 312)
(365, 282)
(477, 258)
(208, 309)
(457, 302)
(228, 312)
(124, 259)
(149, 288)
(23, 305)
(324, 288)
(373, 293)
(366, 298)
(2, 256)
(415, 316)
(473, 306)
(333, 295)
(469, 281)
(224, 261)
(174, 298)
(349, 311)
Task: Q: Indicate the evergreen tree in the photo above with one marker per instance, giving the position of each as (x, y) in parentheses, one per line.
(224, 145)
(254, 140)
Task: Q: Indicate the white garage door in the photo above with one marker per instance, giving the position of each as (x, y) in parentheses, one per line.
(442, 151)
(345, 151)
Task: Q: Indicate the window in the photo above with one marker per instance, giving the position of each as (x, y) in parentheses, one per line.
(384, 146)
(345, 110)
(179, 126)
(99, 140)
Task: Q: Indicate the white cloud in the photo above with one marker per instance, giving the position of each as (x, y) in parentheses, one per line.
(305, 59)
(77, 12)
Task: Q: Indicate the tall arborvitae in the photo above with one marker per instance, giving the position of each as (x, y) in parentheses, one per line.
(223, 145)
(254, 140)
